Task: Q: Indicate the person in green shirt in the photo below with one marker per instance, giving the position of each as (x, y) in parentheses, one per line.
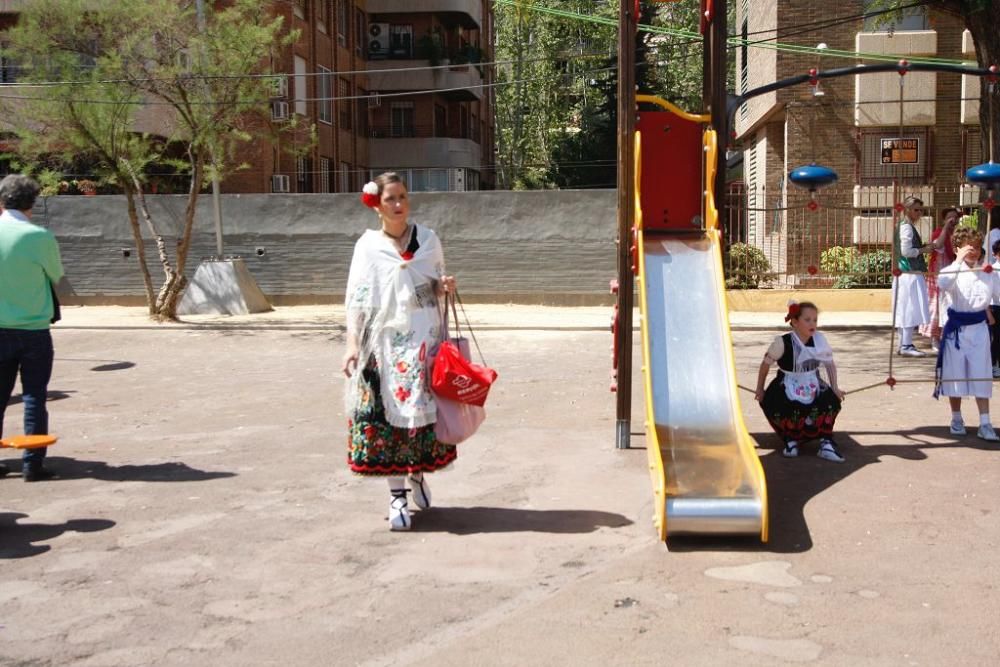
(29, 267)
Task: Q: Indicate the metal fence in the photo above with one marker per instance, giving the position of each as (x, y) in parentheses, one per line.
(839, 238)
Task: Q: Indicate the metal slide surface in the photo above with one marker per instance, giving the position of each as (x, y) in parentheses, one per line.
(706, 473)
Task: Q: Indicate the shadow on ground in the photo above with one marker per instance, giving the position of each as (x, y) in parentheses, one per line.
(18, 539)
(792, 483)
(173, 471)
(471, 520)
(51, 395)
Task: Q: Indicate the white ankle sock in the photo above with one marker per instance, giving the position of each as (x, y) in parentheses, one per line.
(984, 419)
(956, 416)
(905, 336)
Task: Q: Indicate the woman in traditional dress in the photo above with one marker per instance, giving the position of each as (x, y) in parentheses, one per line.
(909, 288)
(394, 327)
(797, 403)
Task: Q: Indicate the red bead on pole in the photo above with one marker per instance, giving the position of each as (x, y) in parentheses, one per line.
(989, 204)
(988, 268)
(813, 205)
(992, 76)
(896, 272)
(891, 381)
(812, 270)
(904, 67)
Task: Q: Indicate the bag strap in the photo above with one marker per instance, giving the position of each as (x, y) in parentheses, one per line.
(468, 325)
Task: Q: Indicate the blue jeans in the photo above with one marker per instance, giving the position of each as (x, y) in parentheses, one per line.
(31, 353)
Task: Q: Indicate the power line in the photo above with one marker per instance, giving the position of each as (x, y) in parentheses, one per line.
(302, 99)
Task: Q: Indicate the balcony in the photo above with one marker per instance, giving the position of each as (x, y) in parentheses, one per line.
(459, 83)
(467, 13)
(407, 146)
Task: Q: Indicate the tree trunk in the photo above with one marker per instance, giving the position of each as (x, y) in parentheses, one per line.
(173, 289)
(140, 248)
(158, 310)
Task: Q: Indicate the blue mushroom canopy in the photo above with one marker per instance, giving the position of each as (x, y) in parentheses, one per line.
(812, 176)
(986, 174)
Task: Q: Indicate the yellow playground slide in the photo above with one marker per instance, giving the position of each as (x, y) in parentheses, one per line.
(707, 478)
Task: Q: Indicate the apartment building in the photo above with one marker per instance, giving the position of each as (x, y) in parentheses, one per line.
(372, 85)
(878, 143)
(388, 84)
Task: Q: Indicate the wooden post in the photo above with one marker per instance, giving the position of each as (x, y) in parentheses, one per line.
(627, 22)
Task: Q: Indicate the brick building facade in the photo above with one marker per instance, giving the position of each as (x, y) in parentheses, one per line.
(847, 124)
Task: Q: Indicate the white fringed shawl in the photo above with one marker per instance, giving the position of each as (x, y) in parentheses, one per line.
(392, 307)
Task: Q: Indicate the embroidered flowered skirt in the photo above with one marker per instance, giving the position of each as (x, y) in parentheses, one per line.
(377, 448)
(796, 421)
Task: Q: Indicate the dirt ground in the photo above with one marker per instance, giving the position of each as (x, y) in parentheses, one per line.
(204, 515)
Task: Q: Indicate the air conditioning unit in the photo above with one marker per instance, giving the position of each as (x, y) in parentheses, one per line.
(279, 86)
(378, 40)
(279, 110)
(374, 100)
(281, 183)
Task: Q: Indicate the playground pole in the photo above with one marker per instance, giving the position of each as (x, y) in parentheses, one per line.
(626, 215)
(717, 99)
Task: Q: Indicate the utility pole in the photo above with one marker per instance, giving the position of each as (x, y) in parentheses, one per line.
(627, 25)
(216, 199)
(715, 46)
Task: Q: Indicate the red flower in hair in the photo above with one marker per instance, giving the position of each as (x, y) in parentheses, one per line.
(369, 195)
(793, 311)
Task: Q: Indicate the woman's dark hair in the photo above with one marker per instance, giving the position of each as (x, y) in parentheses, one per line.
(18, 192)
(386, 178)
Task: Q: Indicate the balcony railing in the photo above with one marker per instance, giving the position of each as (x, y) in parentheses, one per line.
(404, 131)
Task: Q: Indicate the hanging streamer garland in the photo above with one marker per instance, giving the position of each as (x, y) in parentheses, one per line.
(369, 195)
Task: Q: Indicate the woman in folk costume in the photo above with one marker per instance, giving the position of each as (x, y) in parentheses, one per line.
(798, 404)
(909, 289)
(394, 328)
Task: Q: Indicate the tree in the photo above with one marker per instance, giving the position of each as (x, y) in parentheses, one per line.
(112, 59)
(556, 100)
(981, 18)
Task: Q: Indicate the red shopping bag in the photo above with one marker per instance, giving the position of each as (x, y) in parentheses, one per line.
(457, 378)
(453, 376)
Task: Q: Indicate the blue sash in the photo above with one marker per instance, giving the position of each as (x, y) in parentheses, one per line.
(956, 320)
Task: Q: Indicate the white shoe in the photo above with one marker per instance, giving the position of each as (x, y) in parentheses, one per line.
(986, 432)
(957, 427)
(399, 513)
(791, 449)
(421, 490)
(828, 451)
(911, 351)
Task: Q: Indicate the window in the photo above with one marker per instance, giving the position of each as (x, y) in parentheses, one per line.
(360, 32)
(303, 174)
(362, 112)
(876, 166)
(300, 86)
(463, 122)
(9, 69)
(972, 148)
(913, 18)
(401, 119)
(344, 177)
(324, 174)
(321, 15)
(401, 41)
(299, 8)
(440, 121)
(325, 94)
(343, 22)
(345, 106)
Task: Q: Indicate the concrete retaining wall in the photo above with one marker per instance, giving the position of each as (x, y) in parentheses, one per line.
(553, 247)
